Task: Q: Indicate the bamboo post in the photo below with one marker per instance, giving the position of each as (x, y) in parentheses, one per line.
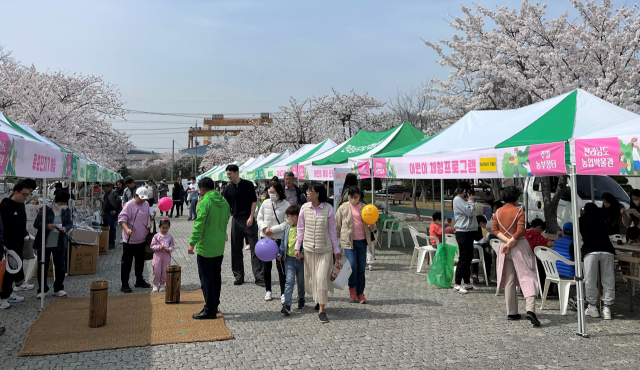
(172, 294)
(98, 304)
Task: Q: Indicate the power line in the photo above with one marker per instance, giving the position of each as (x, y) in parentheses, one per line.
(182, 129)
(193, 115)
(215, 101)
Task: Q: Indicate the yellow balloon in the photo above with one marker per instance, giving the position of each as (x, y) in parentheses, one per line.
(370, 214)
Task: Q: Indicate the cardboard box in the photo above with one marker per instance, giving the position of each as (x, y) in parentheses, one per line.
(83, 259)
(84, 236)
(104, 241)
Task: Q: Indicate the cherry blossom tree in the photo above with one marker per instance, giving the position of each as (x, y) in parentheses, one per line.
(68, 108)
(522, 58)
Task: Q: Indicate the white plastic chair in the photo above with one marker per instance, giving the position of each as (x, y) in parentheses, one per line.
(549, 257)
(615, 237)
(451, 240)
(419, 252)
(389, 227)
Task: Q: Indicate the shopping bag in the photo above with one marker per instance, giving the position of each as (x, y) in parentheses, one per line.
(341, 273)
(441, 270)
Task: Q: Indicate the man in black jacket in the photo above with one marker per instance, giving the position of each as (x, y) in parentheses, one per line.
(111, 207)
(14, 220)
(597, 250)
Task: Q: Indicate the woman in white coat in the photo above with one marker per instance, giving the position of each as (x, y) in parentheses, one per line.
(271, 224)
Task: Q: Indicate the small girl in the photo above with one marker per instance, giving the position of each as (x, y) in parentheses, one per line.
(162, 246)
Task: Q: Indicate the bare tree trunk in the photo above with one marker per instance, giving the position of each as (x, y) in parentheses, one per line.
(423, 194)
(551, 205)
(495, 188)
(415, 206)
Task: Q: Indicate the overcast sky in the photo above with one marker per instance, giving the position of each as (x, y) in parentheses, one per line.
(233, 56)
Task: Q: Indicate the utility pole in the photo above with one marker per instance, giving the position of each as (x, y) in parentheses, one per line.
(195, 164)
(173, 146)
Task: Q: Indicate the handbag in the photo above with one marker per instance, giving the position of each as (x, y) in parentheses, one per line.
(148, 252)
(341, 273)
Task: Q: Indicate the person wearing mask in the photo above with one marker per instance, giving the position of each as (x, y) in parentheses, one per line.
(58, 225)
(272, 221)
(354, 236)
(614, 214)
(350, 180)
(134, 219)
(163, 191)
(598, 252)
(317, 233)
(192, 193)
(292, 192)
(242, 199)
(516, 261)
(111, 207)
(466, 226)
(14, 221)
(152, 190)
(208, 242)
(129, 190)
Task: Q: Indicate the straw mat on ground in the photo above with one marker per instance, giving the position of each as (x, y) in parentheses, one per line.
(133, 320)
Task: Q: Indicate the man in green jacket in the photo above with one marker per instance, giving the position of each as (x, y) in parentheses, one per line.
(208, 239)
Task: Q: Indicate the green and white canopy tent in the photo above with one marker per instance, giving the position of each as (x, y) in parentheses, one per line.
(361, 147)
(209, 173)
(261, 172)
(247, 172)
(529, 141)
(290, 163)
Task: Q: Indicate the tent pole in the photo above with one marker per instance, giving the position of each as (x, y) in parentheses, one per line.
(373, 201)
(593, 195)
(43, 277)
(577, 252)
(442, 203)
(387, 197)
(525, 197)
(433, 193)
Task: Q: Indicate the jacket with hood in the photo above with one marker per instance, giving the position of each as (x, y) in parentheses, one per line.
(210, 227)
(14, 222)
(272, 215)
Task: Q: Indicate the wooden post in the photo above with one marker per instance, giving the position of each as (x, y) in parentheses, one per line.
(172, 294)
(98, 304)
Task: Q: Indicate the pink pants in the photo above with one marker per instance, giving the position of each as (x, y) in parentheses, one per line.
(160, 262)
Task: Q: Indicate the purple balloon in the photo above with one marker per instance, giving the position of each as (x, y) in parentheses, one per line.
(266, 250)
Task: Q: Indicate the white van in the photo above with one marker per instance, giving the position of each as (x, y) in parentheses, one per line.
(601, 185)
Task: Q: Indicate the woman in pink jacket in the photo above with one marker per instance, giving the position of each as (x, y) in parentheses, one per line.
(162, 245)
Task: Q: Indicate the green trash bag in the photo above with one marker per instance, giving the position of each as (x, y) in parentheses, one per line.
(441, 271)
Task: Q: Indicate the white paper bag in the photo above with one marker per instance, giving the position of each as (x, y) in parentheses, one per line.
(341, 273)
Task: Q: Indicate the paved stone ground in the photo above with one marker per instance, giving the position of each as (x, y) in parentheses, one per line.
(407, 324)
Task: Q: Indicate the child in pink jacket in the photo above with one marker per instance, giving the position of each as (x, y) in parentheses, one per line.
(162, 246)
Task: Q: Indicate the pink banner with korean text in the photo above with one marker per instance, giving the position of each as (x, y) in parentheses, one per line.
(608, 156)
(39, 161)
(323, 173)
(525, 161)
(363, 170)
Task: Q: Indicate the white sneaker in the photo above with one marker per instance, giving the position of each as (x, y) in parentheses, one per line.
(606, 312)
(267, 296)
(162, 289)
(59, 293)
(460, 289)
(282, 299)
(15, 298)
(470, 287)
(5, 304)
(592, 311)
(155, 289)
(24, 286)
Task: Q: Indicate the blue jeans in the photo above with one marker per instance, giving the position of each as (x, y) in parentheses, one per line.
(294, 270)
(358, 259)
(112, 222)
(193, 214)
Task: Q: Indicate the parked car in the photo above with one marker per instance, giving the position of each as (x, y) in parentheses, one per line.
(601, 185)
(140, 183)
(394, 189)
